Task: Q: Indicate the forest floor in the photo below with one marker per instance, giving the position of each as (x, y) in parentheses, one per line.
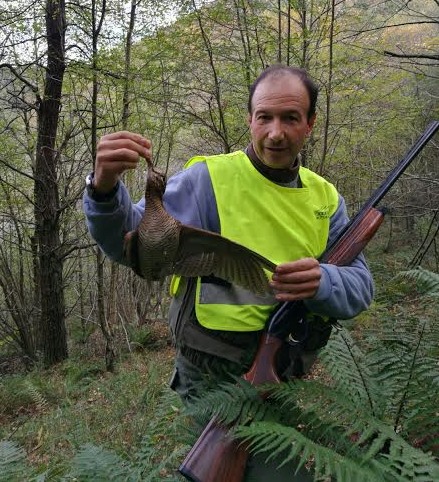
(52, 413)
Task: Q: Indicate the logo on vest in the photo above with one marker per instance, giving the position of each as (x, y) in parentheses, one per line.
(322, 213)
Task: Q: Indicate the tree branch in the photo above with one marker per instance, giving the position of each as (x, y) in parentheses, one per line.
(411, 56)
(34, 88)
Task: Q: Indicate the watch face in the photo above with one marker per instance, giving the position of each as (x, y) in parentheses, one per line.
(89, 185)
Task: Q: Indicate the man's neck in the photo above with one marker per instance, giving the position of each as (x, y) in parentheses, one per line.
(280, 176)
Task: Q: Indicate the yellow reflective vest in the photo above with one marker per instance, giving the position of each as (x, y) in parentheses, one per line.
(281, 223)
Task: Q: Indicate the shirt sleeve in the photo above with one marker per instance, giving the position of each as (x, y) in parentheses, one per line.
(344, 291)
(188, 197)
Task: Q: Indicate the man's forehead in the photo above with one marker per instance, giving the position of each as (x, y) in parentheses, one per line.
(286, 92)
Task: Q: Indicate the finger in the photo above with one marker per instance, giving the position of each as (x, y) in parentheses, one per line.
(296, 292)
(129, 136)
(122, 149)
(299, 265)
(297, 277)
(295, 287)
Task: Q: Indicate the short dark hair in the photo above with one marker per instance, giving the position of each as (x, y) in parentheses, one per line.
(281, 69)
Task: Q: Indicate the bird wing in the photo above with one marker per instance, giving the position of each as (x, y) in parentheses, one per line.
(204, 253)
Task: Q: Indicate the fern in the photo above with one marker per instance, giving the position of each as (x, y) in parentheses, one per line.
(359, 422)
(13, 465)
(403, 361)
(278, 440)
(156, 458)
(348, 366)
(161, 448)
(37, 397)
(96, 464)
(427, 281)
(331, 420)
(240, 403)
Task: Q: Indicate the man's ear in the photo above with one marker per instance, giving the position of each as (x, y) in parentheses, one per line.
(249, 118)
(311, 124)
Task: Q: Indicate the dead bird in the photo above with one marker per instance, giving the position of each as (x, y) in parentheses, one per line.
(161, 245)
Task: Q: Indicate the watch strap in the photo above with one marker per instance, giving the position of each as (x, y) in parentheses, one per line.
(98, 196)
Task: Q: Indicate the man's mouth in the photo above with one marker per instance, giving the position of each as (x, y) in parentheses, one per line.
(276, 149)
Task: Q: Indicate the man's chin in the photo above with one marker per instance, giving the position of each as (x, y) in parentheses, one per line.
(277, 163)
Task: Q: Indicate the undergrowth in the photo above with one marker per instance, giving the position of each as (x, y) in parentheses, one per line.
(370, 415)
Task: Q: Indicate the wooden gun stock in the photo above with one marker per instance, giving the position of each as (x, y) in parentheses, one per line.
(216, 457)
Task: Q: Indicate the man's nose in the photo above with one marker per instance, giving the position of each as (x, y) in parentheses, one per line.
(277, 132)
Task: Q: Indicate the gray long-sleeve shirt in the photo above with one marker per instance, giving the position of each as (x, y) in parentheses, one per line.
(343, 292)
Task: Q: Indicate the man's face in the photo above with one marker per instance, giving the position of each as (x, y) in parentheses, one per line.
(279, 123)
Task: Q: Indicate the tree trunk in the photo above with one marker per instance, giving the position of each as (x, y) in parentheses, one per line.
(53, 336)
(328, 89)
(279, 31)
(110, 350)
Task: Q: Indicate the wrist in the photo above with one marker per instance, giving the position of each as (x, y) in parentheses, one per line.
(101, 191)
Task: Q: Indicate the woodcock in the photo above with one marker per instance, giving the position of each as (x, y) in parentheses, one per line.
(161, 246)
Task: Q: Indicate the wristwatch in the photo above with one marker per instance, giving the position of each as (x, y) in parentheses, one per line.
(98, 196)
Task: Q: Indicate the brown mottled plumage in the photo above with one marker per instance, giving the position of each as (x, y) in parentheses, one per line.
(161, 246)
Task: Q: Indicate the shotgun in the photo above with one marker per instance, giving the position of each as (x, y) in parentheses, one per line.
(216, 456)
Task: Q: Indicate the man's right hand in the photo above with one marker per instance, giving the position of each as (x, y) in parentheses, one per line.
(116, 153)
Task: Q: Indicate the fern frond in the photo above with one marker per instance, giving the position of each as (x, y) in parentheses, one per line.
(96, 464)
(401, 361)
(238, 402)
(287, 443)
(37, 397)
(163, 446)
(324, 413)
(411, 464)
(347, 365)
(366, 460)
(154, 471)
(327, 418)
(158, 455)
(12, 461)
(420, 422)
(426, 281)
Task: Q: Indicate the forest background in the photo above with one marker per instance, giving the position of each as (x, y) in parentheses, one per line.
(179, 72)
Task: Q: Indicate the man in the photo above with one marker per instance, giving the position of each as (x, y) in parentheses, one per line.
(261, 198)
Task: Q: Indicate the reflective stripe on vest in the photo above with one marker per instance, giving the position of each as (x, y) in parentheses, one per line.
(281, 223)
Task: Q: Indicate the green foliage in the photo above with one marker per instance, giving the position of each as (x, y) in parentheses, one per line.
(155, 459)
(23, 393)
(152, 457)
(241, 402)
(36, 395)
(12, 462)
(426, 281)
(98, 464)
(371, 417)
(144, 337)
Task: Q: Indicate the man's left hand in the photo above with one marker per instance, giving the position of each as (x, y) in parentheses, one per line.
(296, 280)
